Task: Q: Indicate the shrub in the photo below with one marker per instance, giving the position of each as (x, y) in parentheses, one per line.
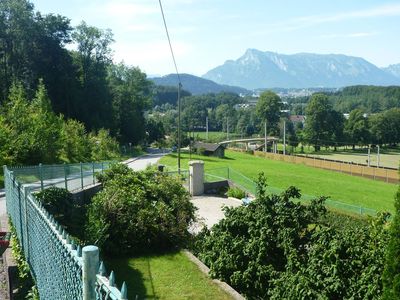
(137, 212)
(201, 151)
(56, 201)
(236, 193)
(277, 248)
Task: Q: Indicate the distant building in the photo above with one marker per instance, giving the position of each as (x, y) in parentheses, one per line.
(209, 149)
(297, 119)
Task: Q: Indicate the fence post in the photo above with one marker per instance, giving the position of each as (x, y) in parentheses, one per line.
(26, 192)
(228, 173)
(41, 176)
(66, 176)
(102, 167)
(90, 258)
(94, 179)
(20, 212)
(81, 176)
(387, 178)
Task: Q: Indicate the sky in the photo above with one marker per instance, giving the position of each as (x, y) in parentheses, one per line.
(206, 33)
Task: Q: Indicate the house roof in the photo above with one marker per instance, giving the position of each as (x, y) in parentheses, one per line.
(206, 146)
(296, 118)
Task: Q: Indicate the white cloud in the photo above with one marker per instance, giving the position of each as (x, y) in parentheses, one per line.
(389, 10)
(349, 35)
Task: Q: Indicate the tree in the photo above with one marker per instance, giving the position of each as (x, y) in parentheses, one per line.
(268, 109)
(323, 125)
(92, 58)
(131, 94)
(391, 274)
(356, 128)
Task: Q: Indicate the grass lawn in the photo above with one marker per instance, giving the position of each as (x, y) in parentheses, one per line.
(168, 276)
(340, 187)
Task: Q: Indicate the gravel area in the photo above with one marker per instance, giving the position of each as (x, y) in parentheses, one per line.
(210, 210)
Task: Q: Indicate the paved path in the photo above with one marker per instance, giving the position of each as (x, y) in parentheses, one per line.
(142, 162)
(210, 210)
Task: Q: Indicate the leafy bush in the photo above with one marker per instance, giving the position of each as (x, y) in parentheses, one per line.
(276, 248)
(56, 201)
(391, 275)
(236, 193)
(138, 212)
(60, 204)
(201, 151)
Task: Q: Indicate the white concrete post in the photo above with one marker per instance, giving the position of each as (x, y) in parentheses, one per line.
(196, 173)
(90, 256)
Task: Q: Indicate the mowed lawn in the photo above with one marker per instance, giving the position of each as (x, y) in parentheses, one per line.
(340, 187)
(168, 276)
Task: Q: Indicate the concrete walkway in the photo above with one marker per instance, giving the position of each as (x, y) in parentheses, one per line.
(210, 210)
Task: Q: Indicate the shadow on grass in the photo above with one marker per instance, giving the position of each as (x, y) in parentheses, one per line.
(137, 273)
(124, 271)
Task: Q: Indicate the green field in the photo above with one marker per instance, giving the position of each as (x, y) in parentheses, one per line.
(169, 276)
(339, 187)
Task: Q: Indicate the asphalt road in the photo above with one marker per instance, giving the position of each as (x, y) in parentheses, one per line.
(143, 162)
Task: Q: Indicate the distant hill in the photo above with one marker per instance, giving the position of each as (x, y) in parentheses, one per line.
(393, 69)
(257, 69)
(197, 85)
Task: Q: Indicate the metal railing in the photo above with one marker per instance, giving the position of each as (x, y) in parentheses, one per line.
(249, 186)
(61, 269)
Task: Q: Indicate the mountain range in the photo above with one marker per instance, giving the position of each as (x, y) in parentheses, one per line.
(197, 85)
(257, 69)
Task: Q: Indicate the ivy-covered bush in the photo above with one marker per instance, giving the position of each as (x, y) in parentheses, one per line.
(138, 212)
(276, 248)
(236, 193)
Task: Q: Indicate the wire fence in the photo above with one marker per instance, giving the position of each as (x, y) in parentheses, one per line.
(61, 268)
(249, 186)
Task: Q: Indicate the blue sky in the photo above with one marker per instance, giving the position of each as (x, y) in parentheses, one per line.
(206, 33)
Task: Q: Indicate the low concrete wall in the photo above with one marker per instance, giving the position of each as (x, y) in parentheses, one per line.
(84, 196)
(213, 187)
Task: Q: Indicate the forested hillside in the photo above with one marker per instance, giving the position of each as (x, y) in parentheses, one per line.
(82, 84)
(370, 99)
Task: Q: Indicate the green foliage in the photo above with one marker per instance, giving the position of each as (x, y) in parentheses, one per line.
(268, 109)
(103, 146)
(138, 212)
(276, 248)
(33, 294)
(57, 202)
(70, 214)
(324, 126)
(24, 280)
(236, 193)
(391, 275)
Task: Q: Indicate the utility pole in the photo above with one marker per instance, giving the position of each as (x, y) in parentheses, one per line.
(227, 128)
(284, 137)
(265, 136)
(179, 128)
(369, 155)
(207, 129)
(378, 158)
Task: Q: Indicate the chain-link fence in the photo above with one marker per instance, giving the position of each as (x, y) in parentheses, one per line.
(249, 186)
(61, 269)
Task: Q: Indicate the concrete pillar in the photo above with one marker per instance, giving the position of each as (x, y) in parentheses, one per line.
(196, 173)
(90, 256)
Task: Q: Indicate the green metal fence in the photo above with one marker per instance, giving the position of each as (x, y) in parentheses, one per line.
(249, 186)
(61, 269)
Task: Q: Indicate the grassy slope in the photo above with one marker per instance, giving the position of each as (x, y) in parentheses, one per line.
(168, 276)
(312, 181)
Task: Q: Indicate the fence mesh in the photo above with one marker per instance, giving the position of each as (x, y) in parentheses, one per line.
(54, 260)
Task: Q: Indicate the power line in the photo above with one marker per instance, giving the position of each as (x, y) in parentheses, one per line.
(169, 42)
(179, 87)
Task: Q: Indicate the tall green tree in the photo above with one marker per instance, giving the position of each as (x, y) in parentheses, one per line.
(323, 125)
(131, 94)
(356, 128)
(93, 58)
(268, 109)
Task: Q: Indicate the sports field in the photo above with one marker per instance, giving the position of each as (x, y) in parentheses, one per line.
(317, 182)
